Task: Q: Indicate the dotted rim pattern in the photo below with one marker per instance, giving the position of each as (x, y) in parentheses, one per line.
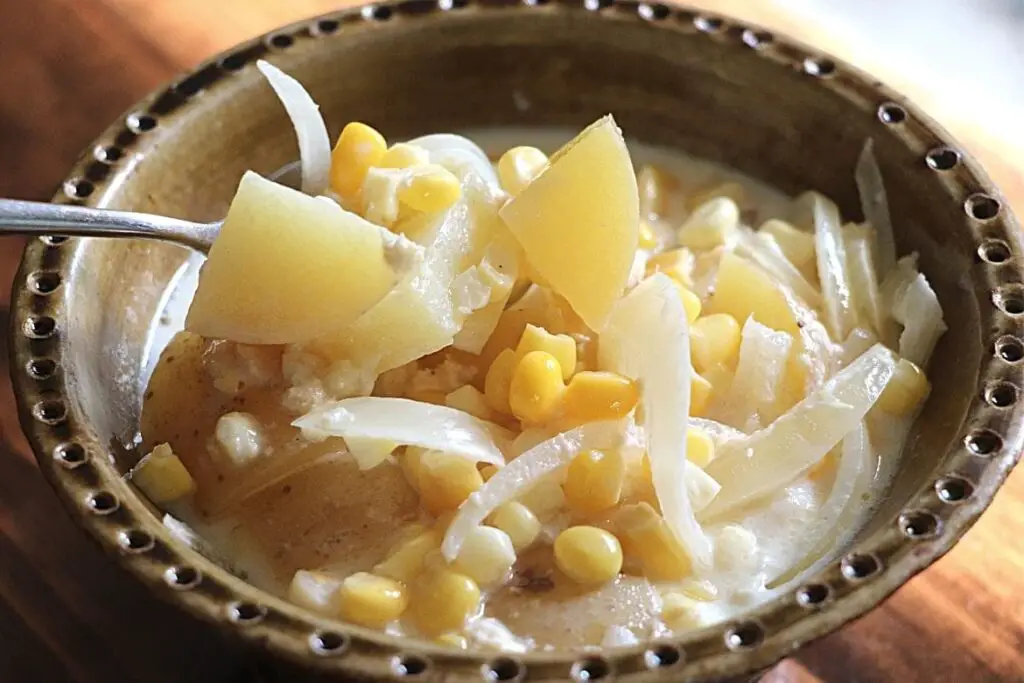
(932, 521)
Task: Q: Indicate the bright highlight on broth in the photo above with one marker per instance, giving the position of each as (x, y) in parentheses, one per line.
(532, 402)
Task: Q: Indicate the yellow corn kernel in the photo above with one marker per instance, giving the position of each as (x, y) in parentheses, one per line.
(648, 236)
(700, 395)
(588, 555)
(486, 556)
(599, 395)
(316, 591)
(535, 393)
(561, 346)
(442, 601)
(488, 471)
(656, 186)
(797, 245)
(403, 155)
(714, 340)
(405, 561)
(691, 302)
(470, 400)
(358, 148)
(593, 482)
(907, 389)
(676, 263)
(647, 538)
(162, 476)
(519, 522)
(446, 481)
(700, 590)
(728, 190)
(372, 601)
(430, 189)
(453, 640)
(712, 224)
(519, 166)
(700, 449)
(498, 381)
(679, 612)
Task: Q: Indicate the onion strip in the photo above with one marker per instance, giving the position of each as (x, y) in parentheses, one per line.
(833, 271)
(875, 206)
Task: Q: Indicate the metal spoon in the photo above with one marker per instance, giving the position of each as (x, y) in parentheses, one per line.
(37, 218)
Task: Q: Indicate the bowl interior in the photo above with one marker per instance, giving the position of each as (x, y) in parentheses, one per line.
(707, 88)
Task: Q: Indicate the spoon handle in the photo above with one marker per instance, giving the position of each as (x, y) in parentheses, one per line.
(19, 217)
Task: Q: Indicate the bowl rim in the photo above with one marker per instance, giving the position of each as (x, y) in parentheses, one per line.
(77, 465)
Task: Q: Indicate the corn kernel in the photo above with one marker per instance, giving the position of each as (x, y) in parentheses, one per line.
(679, 612)
(162, 476)
(906, 390)
(593, 482)
(647, 538)
(405, 561)
(445, 481)
(488, 471)
(372, 601)
(498, 381)
(712, 224)
(700, 395)
(727, 190)
(676, 263)
(648, 236)
(453, 640)
(700, 590)
(519, 522)
(470, 400)
(403, 155)
(430, 189)
(715, 340)
(442, 601)
(316, 591)
(519, 166)
(561, 346)
(691, 302)
(486, 555)
(535, 393)
(599, 395)
(655, 186)
(700, 449)
(588, 555)
(358, 148)
(797, 245)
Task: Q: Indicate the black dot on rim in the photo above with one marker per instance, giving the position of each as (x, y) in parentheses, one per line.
(1010, 349)
(981, 207)
(41, 368)
(812, 595)
(70, 454)
(821, 67)
(44, 282)
(662, 656)
(757, 39)
(743, 636)
(446, 5)
(503, 669)
(136, 541)
(107, 154)
(407, 666)
(942, 158)
(183, 577)
(246, 612)
(994, 251)
(50, 411)
(103, 502)
(591, 669)
(328, 643)
(859, 566)
(1001, 395)
(281, 41)
(233, 62)
(707, 24)
(918, 524)
(326, 27)
(377, 12)
(54, 240)
(892, 113)
(953, 489)
(140, 123)
(78, 188)
(1010, 299)
(596, 5)
(983, 442)
(40, 327)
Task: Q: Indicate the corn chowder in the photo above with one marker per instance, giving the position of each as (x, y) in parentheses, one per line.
(548, 402)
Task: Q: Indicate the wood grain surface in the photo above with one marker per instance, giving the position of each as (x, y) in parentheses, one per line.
(68, 614)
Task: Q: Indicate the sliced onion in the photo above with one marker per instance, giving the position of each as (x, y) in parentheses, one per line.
(765, 253)
(310, 129)
(646, 338)
(407, 423)
(917, 308)
(459, 155)
(864, 278)
(875, 206)
(856, 345)
(764, 353)
(839, 309)
(770, 459)
(522, 474)
(700, 487)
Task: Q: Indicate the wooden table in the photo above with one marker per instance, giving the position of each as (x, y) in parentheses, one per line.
(67, 614)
